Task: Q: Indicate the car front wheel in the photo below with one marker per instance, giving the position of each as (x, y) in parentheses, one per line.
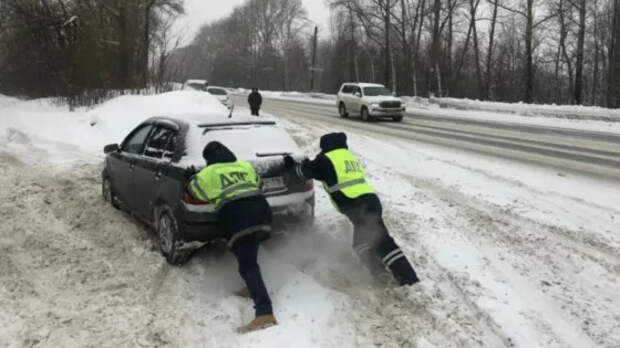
(365, 114)
(342, 110)
(167, 234)
(107, 192)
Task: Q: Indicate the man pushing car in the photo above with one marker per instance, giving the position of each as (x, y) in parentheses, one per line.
(234, 189)
(345, 180)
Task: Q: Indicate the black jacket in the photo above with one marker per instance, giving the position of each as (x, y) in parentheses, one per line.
(255, 100)
(239, 214)
(322, 169)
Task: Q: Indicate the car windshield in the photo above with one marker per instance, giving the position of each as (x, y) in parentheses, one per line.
(376, 91)
(217, 91)
(198, 86)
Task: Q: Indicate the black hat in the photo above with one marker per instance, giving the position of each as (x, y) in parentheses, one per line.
(333, 141)
(216, 152)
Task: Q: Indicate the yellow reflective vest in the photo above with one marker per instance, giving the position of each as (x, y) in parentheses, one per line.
(221, 183)
(351, 179)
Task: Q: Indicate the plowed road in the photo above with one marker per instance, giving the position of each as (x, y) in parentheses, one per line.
(596, 153)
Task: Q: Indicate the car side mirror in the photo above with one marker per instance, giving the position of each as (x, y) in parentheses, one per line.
(358, 94)
(110, 148)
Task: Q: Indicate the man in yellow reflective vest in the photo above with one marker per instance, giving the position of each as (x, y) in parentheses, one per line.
(345, 180)
(234, 189)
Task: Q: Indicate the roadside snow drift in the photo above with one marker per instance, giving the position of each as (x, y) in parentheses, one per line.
(511, 255)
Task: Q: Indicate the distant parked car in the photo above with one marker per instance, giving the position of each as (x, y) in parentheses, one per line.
(221, 94)
(370, 101)
(196, 85)
(147, 175)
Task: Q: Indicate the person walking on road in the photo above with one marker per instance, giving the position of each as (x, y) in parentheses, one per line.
(344, 179)
(244, 216)
(255, 99)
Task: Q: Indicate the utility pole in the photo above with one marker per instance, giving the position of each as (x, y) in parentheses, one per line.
(312, 70)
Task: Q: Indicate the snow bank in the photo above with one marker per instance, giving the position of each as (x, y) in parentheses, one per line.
(559, 111)
(88, 131)
(118, 116)
(6, 101)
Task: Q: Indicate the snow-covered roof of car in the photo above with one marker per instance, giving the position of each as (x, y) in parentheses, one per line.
(248, 137)
(196, 81)
(363, 84)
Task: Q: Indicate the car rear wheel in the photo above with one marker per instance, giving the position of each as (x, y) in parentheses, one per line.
(107, 192)
(167, 234)
(365, 115)
(342, 110)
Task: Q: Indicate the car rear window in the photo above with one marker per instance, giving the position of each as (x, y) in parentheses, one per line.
(217, 91)
(197, 86)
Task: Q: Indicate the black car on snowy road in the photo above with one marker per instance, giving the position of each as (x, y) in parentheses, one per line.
(147, 175)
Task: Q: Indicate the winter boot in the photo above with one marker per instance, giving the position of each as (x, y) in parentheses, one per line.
(244, 292)
(261, 322)
(404, 272)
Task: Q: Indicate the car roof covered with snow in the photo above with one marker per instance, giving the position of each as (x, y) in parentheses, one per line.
(257, 140)
(363, 84)
(196, 81)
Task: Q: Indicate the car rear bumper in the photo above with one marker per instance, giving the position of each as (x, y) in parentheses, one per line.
(199, 222)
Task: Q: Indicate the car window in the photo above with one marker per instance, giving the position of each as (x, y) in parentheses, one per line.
(357, 90)
(377, 91)
(135, 143)
(346, 89)
(217, 91)
(158, 142)
(171, 147)
(197, 86)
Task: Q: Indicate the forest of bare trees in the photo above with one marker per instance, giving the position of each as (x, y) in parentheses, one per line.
(543, 51)
(66, 47)
(551, 51)
(262, 42)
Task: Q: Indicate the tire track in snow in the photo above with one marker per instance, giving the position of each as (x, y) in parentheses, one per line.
(439, 295)
(599, 253)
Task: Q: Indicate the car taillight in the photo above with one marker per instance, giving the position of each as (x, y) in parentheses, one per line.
(187, 198)
(309, 185)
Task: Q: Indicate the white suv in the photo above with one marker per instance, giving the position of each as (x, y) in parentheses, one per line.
(369, 101)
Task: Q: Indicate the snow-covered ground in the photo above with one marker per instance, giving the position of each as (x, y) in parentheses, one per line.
(510, 254)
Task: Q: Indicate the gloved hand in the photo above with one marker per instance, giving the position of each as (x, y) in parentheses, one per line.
(289, 162)
(191, 170)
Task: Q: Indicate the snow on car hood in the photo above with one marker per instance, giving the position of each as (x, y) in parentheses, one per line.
(259, 144)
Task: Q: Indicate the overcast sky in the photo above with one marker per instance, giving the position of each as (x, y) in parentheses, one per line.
(200, 12)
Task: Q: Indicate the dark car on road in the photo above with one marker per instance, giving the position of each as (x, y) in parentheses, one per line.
(147, 175)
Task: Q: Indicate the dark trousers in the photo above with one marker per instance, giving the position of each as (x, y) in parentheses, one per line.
(255, 111)
(246, 251)
(373, 243)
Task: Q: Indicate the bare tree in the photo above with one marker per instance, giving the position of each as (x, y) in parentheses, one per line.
(581, 7)
(613, 89)
(435, 75)
(489, 60)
